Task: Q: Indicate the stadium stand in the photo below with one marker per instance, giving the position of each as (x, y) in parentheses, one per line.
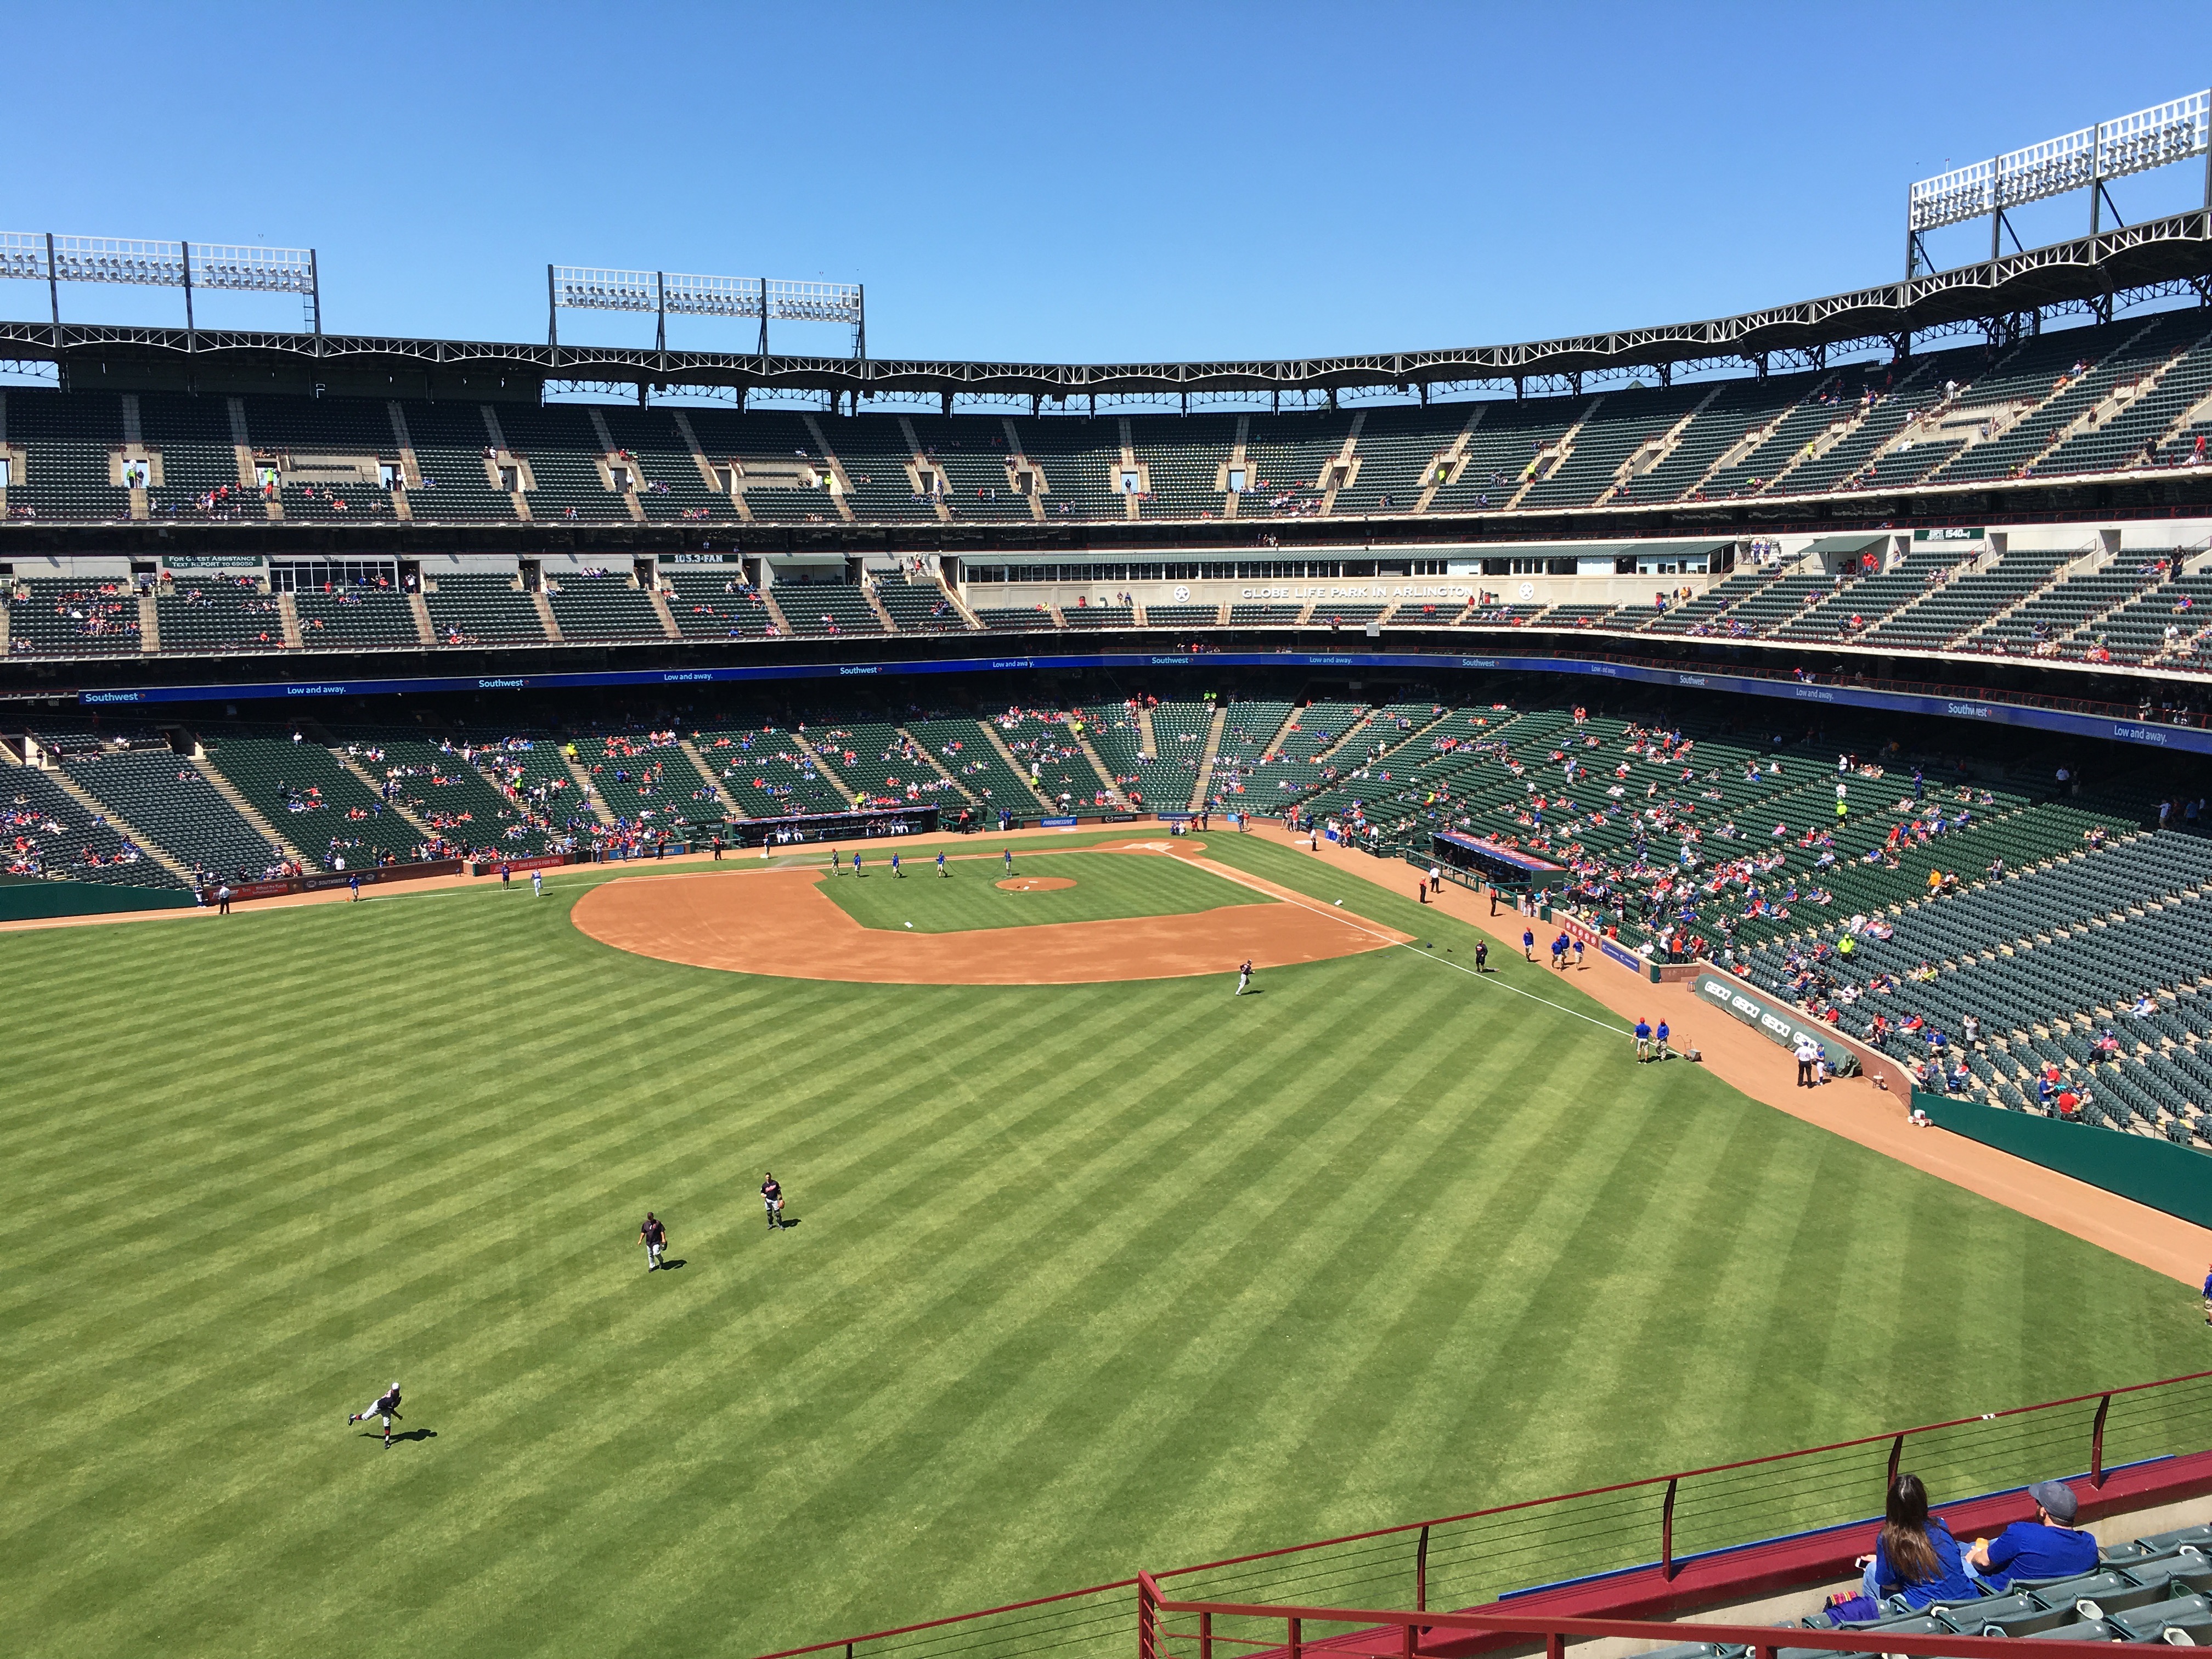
(165, 798)
(962, 749)
(1099, 615)
(920, 606)
(66, 439)
(1185, 460)
(670, 485)
(47, 833)
(193, 437)
(1605, 439)
(1396, 453)
(72, 618)
(312, 801)
(765, 774)
(884, 767)
(646, 779)
(355, 619)
(481, 610)
(973, 455)
(449, 441)
(1043, 744)
(597, 605)
(1080, 459)
(825, 608)
(234, 615)
(717, 605)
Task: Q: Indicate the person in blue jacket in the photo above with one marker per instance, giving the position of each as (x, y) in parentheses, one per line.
(1916, 1561)
(2049, 1547)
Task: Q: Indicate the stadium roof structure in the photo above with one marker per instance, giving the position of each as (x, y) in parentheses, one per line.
(2093, 274)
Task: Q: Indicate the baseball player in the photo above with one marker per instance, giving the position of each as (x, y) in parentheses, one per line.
(896, 873)
(772, 1198)
(1244, 977)
(655, 1238)
(386, 1405)
(537, 883)
(941, 870)
(1009, 852)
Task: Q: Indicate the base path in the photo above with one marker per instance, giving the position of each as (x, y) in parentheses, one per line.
(780, 923)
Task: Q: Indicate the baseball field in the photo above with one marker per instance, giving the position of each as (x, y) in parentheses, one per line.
(1096, 1273)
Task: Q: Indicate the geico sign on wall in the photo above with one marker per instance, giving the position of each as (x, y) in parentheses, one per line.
(1763, 1014)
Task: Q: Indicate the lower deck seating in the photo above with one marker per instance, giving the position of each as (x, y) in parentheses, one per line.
(312, 801)
(167, 799)
(46, 832)
(963, 750)
(765, 772)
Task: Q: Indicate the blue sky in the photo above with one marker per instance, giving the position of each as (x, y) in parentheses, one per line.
(1061, 182)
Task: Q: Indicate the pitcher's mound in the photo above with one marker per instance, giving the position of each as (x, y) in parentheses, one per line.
(1034, 883)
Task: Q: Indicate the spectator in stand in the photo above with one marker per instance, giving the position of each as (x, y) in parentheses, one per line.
(2049, 1547)
(1916, 1561)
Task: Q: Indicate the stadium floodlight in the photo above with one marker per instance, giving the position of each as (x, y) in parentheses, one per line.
(589, 288)
(2179, 130)
(42, 257)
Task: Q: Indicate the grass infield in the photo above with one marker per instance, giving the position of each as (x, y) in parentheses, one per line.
(1087, 1278)
(1108, 886)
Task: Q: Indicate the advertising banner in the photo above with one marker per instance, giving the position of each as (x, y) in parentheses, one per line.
(1777, 1019)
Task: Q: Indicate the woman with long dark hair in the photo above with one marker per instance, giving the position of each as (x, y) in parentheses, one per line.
(1915, 1561)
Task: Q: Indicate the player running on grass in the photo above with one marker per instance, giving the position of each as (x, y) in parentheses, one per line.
(386, 1406)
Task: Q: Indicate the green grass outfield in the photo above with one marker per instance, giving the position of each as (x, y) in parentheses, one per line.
(1086, 1280)
(1108, 886)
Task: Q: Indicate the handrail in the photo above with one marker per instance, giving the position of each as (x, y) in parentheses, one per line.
(1766, 1640)
(1661, 1521)
(2104, 1396)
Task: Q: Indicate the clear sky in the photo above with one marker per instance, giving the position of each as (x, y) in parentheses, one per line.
(1061, 182)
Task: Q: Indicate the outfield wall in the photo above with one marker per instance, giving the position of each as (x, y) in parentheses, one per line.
(44, 901)
(2157, 1173)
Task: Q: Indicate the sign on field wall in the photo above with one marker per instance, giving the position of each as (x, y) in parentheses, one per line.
(1778, 1020)
(1612, 949)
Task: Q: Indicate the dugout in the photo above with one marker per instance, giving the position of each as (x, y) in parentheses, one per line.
(1504, 867)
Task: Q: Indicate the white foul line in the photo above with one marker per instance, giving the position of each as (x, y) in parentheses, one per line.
(1492, 979)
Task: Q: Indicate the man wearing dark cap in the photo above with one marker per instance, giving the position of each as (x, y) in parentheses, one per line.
(2048, 1546)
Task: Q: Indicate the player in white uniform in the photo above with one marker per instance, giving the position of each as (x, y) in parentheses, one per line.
(386, 1405)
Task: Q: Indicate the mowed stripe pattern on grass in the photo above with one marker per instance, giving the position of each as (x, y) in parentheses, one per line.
(1086, 1278)
(1108, 886)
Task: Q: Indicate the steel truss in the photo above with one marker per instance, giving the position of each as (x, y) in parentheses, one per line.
(2112, 269)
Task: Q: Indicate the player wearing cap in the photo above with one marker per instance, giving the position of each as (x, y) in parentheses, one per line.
(1644, 1039)
(655, 1238)
(386, 1406)
(2208, 1296)
(1244, 976)
(772, 1198)
(2048, 1546)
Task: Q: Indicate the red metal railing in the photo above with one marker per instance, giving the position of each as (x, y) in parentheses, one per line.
(1396, 1634)
(1470, 1559)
